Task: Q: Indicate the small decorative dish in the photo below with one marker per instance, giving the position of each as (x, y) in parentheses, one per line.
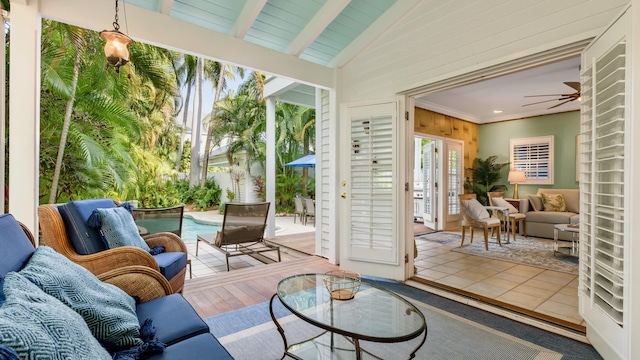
(342, 284)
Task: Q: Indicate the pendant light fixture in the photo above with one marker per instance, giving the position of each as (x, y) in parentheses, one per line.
(117, 45)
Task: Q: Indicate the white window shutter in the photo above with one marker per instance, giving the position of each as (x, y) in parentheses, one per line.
(372, 227)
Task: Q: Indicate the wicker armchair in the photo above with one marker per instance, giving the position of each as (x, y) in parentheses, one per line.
(54, 234)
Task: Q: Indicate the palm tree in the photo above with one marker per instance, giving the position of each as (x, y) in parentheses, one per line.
(185, 76)
(297, 128)
(77, 36)
(95, 129)
(220, 72)
(196, 124)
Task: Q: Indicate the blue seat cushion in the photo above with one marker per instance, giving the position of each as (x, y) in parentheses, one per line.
(174, 319)
(203, 346)
(16, 246)
(75, 214)
(171, 263)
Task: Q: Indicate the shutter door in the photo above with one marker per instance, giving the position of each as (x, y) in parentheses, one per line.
(604, 236)
(372, 201)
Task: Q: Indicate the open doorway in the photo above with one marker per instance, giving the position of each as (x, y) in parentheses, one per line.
(437, 182)
(425, 175)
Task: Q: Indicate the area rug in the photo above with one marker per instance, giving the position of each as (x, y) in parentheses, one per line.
(455, 331)
(529, 251)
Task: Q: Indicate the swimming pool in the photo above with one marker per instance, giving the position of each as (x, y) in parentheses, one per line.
(191, 229)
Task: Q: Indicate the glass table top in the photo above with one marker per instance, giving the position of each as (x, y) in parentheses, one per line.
(374, 313)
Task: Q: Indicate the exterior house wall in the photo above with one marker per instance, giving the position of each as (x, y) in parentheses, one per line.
(417, 50)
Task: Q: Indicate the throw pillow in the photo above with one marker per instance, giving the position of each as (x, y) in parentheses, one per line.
(119, 228)
(554, 202)
(37, 325)
(474, 209)
(497, 201)
(536, 202)
(109, 312)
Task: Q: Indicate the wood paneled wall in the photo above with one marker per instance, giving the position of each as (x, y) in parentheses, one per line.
(433, 123)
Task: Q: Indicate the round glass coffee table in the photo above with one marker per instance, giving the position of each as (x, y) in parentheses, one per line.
(374, 314)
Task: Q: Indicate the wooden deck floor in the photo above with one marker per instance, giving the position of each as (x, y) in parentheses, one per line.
(222, 292)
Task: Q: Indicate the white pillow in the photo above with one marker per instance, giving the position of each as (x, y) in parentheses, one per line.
(498, 201)
(474, 209)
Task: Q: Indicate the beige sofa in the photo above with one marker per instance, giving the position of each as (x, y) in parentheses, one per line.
(540, 223)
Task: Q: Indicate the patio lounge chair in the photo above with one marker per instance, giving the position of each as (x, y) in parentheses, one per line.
(242, 231)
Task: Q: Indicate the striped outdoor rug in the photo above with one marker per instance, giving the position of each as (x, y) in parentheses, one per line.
(455, 331)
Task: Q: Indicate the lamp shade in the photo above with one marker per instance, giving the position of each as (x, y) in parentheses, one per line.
(116, 48)
(516, 177)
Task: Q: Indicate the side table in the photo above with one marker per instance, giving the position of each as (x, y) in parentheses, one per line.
(514, 202)
(563, 247)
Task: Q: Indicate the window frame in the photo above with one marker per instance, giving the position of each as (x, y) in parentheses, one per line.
(529, 165)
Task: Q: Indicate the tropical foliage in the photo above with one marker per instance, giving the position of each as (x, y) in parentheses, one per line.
(122, 135)
(484, 174)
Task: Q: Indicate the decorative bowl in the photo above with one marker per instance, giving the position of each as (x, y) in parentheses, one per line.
(342, 284)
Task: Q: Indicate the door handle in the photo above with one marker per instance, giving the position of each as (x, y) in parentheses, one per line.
(343, 195)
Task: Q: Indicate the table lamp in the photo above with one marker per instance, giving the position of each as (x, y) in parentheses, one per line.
(516, 177)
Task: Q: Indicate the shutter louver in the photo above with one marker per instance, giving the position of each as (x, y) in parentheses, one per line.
(602, 182)
(454, 167)
(372, 198)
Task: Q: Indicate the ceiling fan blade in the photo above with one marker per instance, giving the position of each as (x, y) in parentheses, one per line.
(562, 103)
(547, 95)
(574, 85)
(540, 102)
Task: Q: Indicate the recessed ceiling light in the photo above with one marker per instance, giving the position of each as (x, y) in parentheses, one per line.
(497, 111)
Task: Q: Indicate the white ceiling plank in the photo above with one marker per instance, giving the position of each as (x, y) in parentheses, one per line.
(275, 86)
(166, 6)
(161, 30)
(248, 15)
(388, 19)
(316, 26)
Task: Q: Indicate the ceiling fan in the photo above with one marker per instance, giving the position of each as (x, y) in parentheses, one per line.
(565, 98)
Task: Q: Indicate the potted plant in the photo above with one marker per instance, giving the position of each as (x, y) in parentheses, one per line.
(483, 175)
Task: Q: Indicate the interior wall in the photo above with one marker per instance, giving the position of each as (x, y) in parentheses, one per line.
(432, 123)
(564, 127)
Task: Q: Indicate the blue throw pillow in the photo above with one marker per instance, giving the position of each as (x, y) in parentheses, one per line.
(119, 228)
(75, 215)
(38, 326)
(108, 311)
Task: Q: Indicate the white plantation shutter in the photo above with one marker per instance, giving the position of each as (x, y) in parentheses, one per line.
(372, 229)
(605, 219)
(602, 182)
(534, 156)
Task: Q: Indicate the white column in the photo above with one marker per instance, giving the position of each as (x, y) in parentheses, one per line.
(24, 112)
(271, 167)
(3, 79)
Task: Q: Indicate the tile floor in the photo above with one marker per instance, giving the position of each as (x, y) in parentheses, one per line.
(548, 292)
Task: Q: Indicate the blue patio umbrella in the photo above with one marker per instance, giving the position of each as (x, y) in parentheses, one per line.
(308, 161)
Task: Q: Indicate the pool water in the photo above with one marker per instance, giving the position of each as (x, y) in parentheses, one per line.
(191, 229)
